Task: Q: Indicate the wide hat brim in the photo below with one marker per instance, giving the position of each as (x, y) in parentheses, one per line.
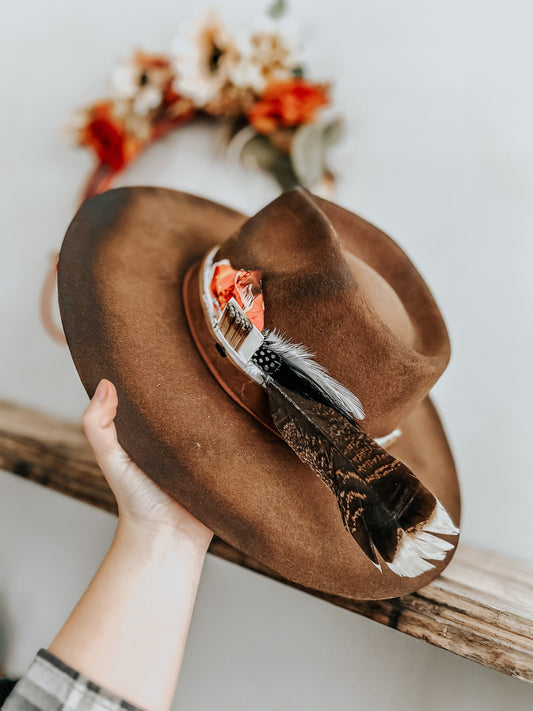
(120, 277)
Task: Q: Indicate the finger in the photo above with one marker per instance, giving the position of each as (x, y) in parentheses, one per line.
(99, 426)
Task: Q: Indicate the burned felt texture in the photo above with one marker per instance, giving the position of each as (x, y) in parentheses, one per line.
(121, 274)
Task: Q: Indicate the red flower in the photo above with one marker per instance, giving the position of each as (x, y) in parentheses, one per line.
(287, 103)
(106, 137)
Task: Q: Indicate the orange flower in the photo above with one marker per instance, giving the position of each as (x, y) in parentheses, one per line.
(287, 103)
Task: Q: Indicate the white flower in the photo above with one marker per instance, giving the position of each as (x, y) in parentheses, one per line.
(206, 57)
(203, 57)
(262, 58)
(148, 98)
(269, 52)
(141, 85)
(125, 79)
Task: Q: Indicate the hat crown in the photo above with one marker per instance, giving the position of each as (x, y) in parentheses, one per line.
(387, 351)
(290, 235)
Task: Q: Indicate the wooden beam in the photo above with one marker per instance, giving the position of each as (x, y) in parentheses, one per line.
(480, 608)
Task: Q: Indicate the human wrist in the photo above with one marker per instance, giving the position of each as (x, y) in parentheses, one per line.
(128, 631)
(150, 535)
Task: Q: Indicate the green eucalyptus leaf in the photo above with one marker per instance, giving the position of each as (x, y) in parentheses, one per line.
(308, 154)
(259, 152)
(283, 172)
(277, 9)
(331, 133)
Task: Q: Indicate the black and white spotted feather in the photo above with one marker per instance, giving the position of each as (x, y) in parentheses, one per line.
(296, 368)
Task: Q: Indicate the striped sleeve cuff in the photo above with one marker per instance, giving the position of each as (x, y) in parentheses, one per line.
(51, 685)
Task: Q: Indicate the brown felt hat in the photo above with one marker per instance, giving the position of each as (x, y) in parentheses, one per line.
(129, 280)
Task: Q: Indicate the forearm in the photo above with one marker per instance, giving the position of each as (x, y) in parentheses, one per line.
(128, 631)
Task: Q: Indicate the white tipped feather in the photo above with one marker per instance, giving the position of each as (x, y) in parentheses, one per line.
(440, 522)
(429, 546)
(407, 562)
(416, 549)
(298, 357)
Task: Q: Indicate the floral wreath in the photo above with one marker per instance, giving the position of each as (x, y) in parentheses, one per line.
(254, 82)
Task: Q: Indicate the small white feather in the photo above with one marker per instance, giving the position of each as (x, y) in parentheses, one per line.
(299, 357)
(440, 522)
(429, 546)
(407, 563)
(416, 549)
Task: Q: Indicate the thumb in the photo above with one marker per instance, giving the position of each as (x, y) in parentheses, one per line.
(99, 427)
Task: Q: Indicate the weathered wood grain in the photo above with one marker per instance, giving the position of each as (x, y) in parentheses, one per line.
(480, 608)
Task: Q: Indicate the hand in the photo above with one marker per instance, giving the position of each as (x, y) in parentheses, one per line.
(140, 501)
(128, 631)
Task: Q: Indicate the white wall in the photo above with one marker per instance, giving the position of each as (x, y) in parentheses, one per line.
(438, 103)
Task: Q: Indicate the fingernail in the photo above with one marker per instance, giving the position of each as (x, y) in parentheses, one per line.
(100, 392)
